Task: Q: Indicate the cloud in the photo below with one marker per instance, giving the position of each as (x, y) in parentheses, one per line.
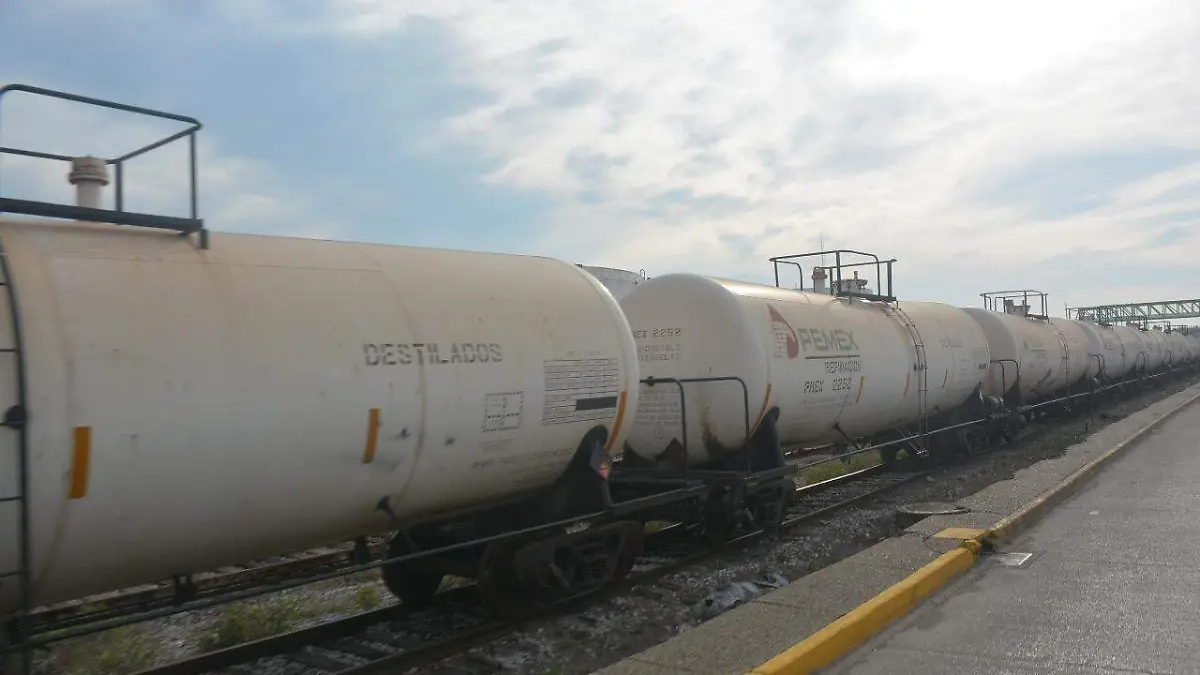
(983, 146)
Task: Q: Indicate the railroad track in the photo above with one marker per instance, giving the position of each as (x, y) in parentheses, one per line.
(399, 637)
(838, 493)
(214, 584)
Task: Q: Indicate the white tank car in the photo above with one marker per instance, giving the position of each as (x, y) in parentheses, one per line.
(1193, 342)
(820, 359)
(619, 282)
(1175, 349)
(1077, 355)
(1033, 344)
(194, 408)
(1128, 352)
(1168, 348)
(1184, 347)
(1155, 349)
(1102, 341)
(1179, 347)
(1164, 346)
(1136, 353)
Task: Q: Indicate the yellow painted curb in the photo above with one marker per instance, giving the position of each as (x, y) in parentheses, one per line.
(857, 626)
(840, 637)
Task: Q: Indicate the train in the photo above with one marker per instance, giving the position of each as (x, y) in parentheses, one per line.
(189, 408)
(175, 401)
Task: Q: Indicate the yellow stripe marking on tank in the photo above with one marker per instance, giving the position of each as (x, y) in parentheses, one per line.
(81, 456)
(617, 424)
(907, 380)
(862, 382)
(372, 435)
(762, 411)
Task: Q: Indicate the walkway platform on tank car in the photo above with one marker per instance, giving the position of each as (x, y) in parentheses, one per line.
(1112, 585)
(1106, 582)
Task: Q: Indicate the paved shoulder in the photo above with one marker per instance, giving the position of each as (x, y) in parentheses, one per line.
(1111, 585)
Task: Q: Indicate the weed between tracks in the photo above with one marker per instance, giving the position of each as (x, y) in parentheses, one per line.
(839, 467)
(132, 648)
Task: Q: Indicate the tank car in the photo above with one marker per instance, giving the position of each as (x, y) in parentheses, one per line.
(1136, 350)
(1177, 352)
(1183, 347)
(1156, 353)
(1029, 360)
(1105, 350)
(619, 282)
(1120, 356)
(190, 408)
(1078, 361)
(1167, 346)
(819, 367)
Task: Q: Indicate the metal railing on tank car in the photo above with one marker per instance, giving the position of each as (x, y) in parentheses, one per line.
(991, 298)
(837, 280)
(117, 215)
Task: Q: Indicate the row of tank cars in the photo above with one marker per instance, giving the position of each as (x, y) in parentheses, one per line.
(173, 404)
(183, 407)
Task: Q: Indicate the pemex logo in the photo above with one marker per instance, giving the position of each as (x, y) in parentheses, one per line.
(786, 344)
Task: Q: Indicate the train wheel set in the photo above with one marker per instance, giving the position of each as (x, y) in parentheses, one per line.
(177, 401)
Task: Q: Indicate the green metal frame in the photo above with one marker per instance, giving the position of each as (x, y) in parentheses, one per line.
(1139, 312)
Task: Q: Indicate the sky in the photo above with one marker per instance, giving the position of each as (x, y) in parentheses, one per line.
(985, 146)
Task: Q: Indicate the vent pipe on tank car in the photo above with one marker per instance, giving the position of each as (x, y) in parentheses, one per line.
(1011, 307)
(89, 176)
(818, 279)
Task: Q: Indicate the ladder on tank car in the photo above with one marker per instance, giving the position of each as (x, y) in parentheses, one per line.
(14, 421)
(921, 367)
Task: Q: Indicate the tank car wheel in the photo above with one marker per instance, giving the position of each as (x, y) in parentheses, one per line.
(412, 582)
(980, 440)
(771, 513)
(888, 457)
(520, 576)
(498, 581)
(970, 442)
(719, 522)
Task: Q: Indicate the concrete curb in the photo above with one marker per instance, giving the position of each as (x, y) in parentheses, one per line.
(868, 619)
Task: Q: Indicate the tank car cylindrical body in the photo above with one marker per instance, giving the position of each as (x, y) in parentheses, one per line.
(1176, 350)
(619, 282)
(1168, 348)
(1193, 345)
(1120, 358)
(1136, 351)
(194, 408)
(1102, 341)
(1183, 346)
(820, 359)
(1077, 355)
(1032, 344)
(1156, 349)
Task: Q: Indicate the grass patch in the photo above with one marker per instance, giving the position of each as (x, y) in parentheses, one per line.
(242, 622)
(366, 597)
(840, 467)
(119, 651)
